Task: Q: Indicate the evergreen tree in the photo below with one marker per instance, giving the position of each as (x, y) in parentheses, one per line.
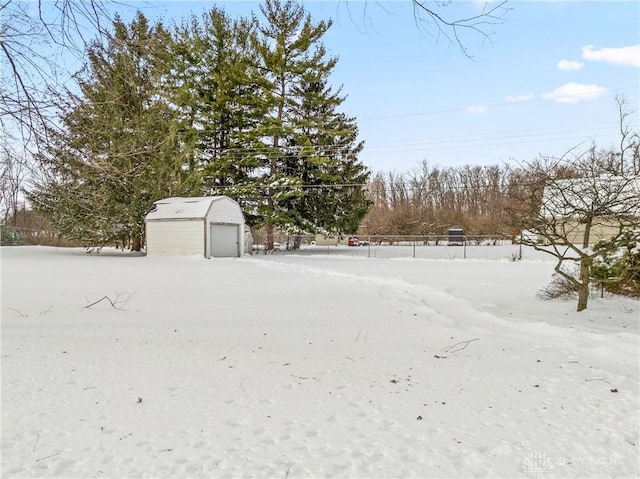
(309, 143)
(220, 101)
(120, 148)
(334, 199)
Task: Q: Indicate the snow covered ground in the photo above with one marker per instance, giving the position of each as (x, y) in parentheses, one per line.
(311, 365)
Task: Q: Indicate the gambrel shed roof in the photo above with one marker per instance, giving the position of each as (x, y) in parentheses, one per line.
(182, 208)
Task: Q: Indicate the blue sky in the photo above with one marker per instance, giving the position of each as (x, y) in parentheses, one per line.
(544, 84)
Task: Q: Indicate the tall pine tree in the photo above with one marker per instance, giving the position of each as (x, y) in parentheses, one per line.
(121, 147)
(311, 147)
(334, 199)
(221, 101)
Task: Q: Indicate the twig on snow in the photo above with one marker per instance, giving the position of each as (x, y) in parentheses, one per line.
(22, 315)
(597, 379)
(120, 300)
(100, 300)
(301, 377)
(453, 349)
(36, 442)
(366, 334)
(48, 310)
(49, 457)
(358, 336)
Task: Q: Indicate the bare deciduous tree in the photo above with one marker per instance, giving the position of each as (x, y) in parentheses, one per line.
(629, 147)
(13, 172)
(33, 37)
(576, 212)
(431, 199)
(572, 202)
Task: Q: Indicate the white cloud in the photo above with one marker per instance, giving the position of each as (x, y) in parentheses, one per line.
(519, 98)
(623, 56)
(575, 92)
(570, 66)
(476, 109)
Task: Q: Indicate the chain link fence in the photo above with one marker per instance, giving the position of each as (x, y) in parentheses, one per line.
(492, 247)
(498, 246)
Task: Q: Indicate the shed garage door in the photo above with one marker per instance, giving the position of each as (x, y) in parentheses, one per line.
(224, 240)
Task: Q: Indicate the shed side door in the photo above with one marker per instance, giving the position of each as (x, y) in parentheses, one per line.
(224, 240)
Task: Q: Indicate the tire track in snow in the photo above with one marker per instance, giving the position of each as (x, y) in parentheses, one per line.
(436, 302)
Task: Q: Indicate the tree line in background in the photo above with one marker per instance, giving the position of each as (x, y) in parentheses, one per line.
(430, 199)
(488, 200)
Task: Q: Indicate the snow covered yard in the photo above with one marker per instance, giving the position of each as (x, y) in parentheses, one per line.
(310, 365)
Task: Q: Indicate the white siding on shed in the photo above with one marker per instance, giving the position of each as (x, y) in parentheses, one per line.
(225, 210)
(175, 237)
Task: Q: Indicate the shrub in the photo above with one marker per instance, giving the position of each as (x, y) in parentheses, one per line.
(616, 268)
(10, 236)
(560, 287)
(628, 281)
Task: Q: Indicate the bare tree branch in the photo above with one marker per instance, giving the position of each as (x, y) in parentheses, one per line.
(431, 19)
(427, 16)
(32, 39)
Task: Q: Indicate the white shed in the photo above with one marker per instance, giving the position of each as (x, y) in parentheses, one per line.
(209, 226)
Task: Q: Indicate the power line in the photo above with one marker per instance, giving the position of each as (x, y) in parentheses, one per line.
(498, 135)
(303, 186)
(455, 147)
(435, 143)
(495, 138)
(491, 105)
